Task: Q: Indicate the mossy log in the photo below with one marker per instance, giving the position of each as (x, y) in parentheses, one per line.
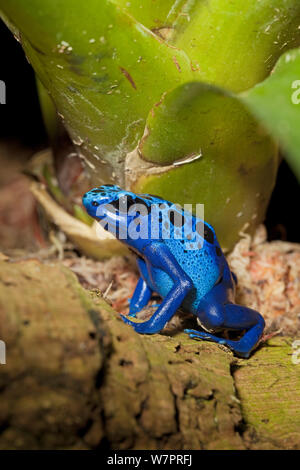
(77, 377)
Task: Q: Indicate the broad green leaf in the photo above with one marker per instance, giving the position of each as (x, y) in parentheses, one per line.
(48, 111)
(123, 76)
(276, 102)
(235, 44)
(103, 69)
(154, 14)
(219, 155)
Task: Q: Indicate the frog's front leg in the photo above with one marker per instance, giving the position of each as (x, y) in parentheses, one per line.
(140, 298)
(160, 257)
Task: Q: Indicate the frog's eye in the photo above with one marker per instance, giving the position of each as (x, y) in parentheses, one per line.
(142, 204)
(131, 201)
(95, 203)
(124, 203)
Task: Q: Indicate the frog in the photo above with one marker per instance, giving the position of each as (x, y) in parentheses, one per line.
(180, 259)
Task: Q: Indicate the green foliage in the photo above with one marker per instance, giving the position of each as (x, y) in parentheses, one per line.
(144, 87)
(225, 145)
(276, 102)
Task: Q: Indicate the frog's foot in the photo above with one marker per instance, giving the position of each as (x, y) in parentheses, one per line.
(131, 313)
(241, 347)
(194, 334)
(139, 327)
(134, 314)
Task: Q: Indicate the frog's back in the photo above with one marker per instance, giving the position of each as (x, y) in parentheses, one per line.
(198, 253)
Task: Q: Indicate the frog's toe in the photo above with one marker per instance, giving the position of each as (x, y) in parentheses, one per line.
(132, 314)
(133, 309)
(194, 334)
(128, 321)
(240, 348)
(144, 328)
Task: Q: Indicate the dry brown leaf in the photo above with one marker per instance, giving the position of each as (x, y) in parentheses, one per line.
(97, 244)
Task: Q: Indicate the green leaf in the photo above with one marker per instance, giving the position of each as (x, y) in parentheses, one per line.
(214, 152)
(276, 102)
(48, 112)
(153, 14)
(235, 44)
(108, 63)
(104, 71)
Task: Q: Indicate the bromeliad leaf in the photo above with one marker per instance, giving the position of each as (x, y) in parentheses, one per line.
(155, 15)
(106, 63)
(236, 44)
(201, 144)
(104, 72)
(276, 102)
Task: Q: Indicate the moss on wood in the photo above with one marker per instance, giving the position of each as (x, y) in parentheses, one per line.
(78, 377)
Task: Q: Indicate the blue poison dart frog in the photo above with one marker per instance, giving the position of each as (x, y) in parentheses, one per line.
(179, 258)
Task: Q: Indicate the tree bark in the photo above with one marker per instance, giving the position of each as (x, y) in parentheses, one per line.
(77, 377)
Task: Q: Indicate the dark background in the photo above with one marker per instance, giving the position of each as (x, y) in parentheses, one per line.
(21, 120)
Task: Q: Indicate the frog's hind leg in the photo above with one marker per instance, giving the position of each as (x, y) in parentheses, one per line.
(234, 277)
(216, 312)
(238, 318)
(140, 298)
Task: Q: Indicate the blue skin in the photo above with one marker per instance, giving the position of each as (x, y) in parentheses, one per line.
(197, 279)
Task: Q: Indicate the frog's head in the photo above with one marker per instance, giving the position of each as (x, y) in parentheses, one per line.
(129, 217)
(96, 200)
(116, 208)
